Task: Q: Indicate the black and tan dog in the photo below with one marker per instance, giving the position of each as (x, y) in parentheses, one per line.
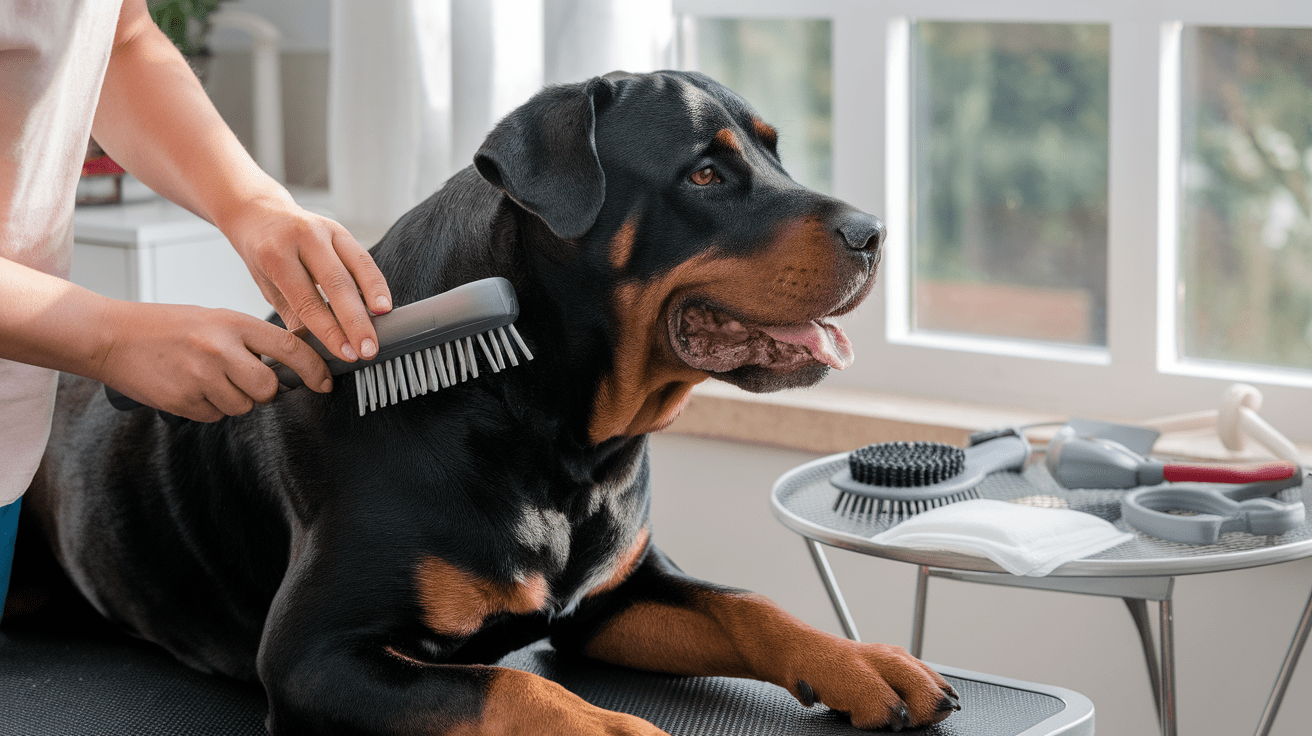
(366, 569)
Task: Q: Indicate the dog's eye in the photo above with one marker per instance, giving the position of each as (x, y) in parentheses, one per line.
(705, 176)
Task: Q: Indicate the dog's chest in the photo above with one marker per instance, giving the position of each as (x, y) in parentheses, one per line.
(550, 562)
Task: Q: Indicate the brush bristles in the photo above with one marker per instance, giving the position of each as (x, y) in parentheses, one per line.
(441, 366)
(853, 505)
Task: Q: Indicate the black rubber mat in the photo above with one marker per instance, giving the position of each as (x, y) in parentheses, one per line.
(66, 687)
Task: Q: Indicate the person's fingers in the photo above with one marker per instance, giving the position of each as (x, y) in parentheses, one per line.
(279, 304)
(200, 411)
(344, 300)
(292, 352)
(369, 280)
(254, 380)
(228, 398)
(304, 301)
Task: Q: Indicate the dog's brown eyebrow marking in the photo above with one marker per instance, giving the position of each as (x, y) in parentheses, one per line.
(727, 139)
(621, 245)
(456, 602)
(765, 132)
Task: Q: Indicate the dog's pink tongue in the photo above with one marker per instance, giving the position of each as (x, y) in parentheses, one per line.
(826, 341)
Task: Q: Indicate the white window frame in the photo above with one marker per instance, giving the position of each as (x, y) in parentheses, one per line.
(1139, 374)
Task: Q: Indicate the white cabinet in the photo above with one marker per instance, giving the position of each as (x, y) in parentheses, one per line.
(151, 250)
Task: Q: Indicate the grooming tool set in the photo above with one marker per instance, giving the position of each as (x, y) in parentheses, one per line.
(1193, 503)
(425, 346)
(1234, 497)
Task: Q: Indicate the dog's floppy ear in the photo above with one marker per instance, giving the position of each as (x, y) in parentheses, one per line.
(544, 156)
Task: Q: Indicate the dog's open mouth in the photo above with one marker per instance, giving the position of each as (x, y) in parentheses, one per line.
(713, 340)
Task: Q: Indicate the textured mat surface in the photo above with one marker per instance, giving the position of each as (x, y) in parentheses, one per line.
(64, 687)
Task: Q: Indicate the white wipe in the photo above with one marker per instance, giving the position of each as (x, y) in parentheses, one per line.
(1023, 540)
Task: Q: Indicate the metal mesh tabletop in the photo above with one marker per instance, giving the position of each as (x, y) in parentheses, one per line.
(53, 687)
(804, 501)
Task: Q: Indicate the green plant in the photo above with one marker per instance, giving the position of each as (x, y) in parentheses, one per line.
(185, 22)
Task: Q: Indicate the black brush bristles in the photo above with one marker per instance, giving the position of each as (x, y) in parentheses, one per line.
(867, 507)
(906, 466)
(441, 366)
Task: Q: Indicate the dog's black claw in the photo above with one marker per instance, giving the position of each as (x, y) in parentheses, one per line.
(805, 693)
(952, 692)
(948, 703)
(903, 717)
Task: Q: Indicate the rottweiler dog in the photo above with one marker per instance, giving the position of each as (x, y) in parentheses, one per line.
(366, 570)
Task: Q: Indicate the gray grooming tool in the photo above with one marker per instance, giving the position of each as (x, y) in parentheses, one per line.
(1006, 452)
(1096, 462)
(1243, 508)
(423, 346)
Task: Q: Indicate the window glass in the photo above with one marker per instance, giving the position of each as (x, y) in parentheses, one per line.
(1245, 257)
(1009, 196)
(783, 68)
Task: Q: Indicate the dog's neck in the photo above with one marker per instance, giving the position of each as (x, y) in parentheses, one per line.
(614, 340)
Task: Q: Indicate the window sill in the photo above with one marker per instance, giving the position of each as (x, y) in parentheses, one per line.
(832, 420)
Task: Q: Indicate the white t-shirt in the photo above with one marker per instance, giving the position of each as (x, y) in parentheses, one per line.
(53, 55)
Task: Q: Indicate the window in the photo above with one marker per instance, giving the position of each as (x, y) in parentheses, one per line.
(783, 67)
(1245, 252)
(1009, 167)
(1092, 210)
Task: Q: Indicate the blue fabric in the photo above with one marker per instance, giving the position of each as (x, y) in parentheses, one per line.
(8, 531)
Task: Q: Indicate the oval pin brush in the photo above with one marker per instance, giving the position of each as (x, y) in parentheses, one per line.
(905, 478)
(424, 346)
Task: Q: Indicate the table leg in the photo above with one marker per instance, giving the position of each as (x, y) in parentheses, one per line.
(1139, 612)
(831, 587)
(1166, 625)
(1286, 671)
(918, 615)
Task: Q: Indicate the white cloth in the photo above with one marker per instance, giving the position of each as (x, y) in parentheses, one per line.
(1023, 540)
(53, 55)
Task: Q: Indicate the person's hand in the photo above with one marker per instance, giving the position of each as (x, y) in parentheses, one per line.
(200, 363)
(289, 250)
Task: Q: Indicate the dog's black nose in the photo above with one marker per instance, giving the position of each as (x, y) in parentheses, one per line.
(861, 231)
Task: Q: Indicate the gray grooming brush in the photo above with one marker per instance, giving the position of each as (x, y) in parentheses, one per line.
(423, 346)
(905, 478)
(430, 344)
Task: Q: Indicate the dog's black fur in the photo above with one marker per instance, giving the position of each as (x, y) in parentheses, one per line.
(349, 564)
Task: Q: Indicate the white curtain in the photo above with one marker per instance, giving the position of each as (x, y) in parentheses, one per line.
(416, 84)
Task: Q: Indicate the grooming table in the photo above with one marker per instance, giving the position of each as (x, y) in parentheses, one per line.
(61, 686)
(1141, 570)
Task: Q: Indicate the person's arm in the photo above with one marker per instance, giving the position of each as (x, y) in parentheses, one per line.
(155, 120)
(191, 361)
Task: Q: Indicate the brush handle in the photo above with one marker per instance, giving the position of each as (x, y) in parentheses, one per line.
(1178, 472)
(466, 310)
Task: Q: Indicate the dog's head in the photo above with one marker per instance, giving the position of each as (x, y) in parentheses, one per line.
(668, 188)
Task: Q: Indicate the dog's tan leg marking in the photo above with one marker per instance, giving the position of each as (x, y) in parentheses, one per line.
(525, 704)
(747, 635)
(456, 603)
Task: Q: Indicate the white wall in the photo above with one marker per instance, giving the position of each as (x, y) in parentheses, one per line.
(711, 513)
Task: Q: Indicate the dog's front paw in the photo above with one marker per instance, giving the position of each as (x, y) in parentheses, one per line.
(879, 686)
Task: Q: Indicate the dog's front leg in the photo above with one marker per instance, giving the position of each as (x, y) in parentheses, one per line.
(332, 662)
(665, 621)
